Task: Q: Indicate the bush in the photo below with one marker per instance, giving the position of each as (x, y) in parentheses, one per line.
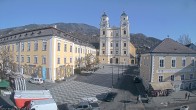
(77, 71)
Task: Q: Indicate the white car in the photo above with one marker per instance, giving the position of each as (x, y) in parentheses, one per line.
(90, 99)
(36, 80)
(184, 107)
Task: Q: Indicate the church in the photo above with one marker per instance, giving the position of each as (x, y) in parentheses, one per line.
(115, 45)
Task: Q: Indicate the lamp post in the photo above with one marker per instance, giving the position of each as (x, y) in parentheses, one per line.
(112, 72)
(118, 71)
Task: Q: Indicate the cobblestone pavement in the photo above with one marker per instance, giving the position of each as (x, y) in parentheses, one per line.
(93, 85)
(175, 100)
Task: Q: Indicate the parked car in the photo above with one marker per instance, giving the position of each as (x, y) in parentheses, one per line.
(137, 79)
(184, 107)
(87, 106)
(36, 80)
(110, 96)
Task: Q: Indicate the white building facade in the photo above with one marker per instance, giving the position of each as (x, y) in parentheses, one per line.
(115, 46)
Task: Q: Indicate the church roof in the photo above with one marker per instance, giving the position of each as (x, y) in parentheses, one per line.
(123, 14)
(104, 15)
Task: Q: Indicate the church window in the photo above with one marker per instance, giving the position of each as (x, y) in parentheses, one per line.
(103, 32)
(125, 32)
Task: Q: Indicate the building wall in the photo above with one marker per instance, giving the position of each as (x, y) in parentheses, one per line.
(55, 70)
(177, 71)
(145, 69)
(150, 72)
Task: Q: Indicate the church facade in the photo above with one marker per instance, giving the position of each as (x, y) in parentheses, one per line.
(115, 45)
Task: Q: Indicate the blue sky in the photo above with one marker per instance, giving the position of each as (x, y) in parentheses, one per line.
(156, 18)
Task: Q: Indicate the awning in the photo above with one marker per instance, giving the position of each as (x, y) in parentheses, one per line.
(4, 83)
(161, 86)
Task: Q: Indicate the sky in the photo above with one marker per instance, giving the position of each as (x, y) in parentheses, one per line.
(154, 18)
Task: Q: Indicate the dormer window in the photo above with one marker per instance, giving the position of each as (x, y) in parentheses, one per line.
(11, 37)
(14, 36)
(20, 35)
(32, 33)
(26, 34)
(39, 32)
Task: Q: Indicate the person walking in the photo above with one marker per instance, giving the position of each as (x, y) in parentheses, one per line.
(186, 95)
(189, 96)
(137, 99)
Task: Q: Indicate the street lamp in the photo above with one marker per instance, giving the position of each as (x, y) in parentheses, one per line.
(112, 72)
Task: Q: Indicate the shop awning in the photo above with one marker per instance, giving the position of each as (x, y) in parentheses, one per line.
(161, 86)
(4, 83)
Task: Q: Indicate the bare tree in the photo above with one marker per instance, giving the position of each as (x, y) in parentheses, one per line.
(184, 39)
(6, 59)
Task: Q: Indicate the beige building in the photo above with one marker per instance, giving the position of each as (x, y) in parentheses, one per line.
(47, 52)
(115, 46)
(170, 65)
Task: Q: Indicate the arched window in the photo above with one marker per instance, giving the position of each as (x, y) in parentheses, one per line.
(125, 32)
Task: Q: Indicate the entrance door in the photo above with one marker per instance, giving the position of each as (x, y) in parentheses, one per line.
(110, 60)
(116, 60)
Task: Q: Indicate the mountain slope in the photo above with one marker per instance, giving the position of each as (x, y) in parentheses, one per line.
(86, 32)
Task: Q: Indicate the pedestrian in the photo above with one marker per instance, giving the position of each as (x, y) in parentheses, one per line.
(186, 95)
(189, 96)
(137, 99)
(103, 67)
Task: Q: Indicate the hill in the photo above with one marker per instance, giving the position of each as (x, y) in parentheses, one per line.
(88, 33)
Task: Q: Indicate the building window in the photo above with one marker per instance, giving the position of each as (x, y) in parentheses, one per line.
(182, 77)
(22, 46)
(192, 62)
(111, 52)
(70, 48)
(28, 46)
(160, 78)
(116, 34)
(111, 34)
(65, 47)
(173, 63)
(103, 52)
(116, 44)
(184, 62)
(124, 52)
(59, 46)
(58, 61)
(161, 62)
(111, 44)
(22, 58)
(125, 32)
(44, 45)
(76, 50)
(125, 45)
(116, 52)
(191, 76)
(35, 45)
(43, 59)
(103, 32)
(8, 48)
(172, 77)
(17, 47)
(12, 47)
(64, 60)
(35, 59)
(103, 44)
(70, 60)
(17, 58)
(28, 59)
(81, 50)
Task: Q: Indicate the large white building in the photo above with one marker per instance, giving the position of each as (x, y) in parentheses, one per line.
(115, 46)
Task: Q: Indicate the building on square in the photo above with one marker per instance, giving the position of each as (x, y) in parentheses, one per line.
(168, 66)
(47, 52)
(115, 46)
